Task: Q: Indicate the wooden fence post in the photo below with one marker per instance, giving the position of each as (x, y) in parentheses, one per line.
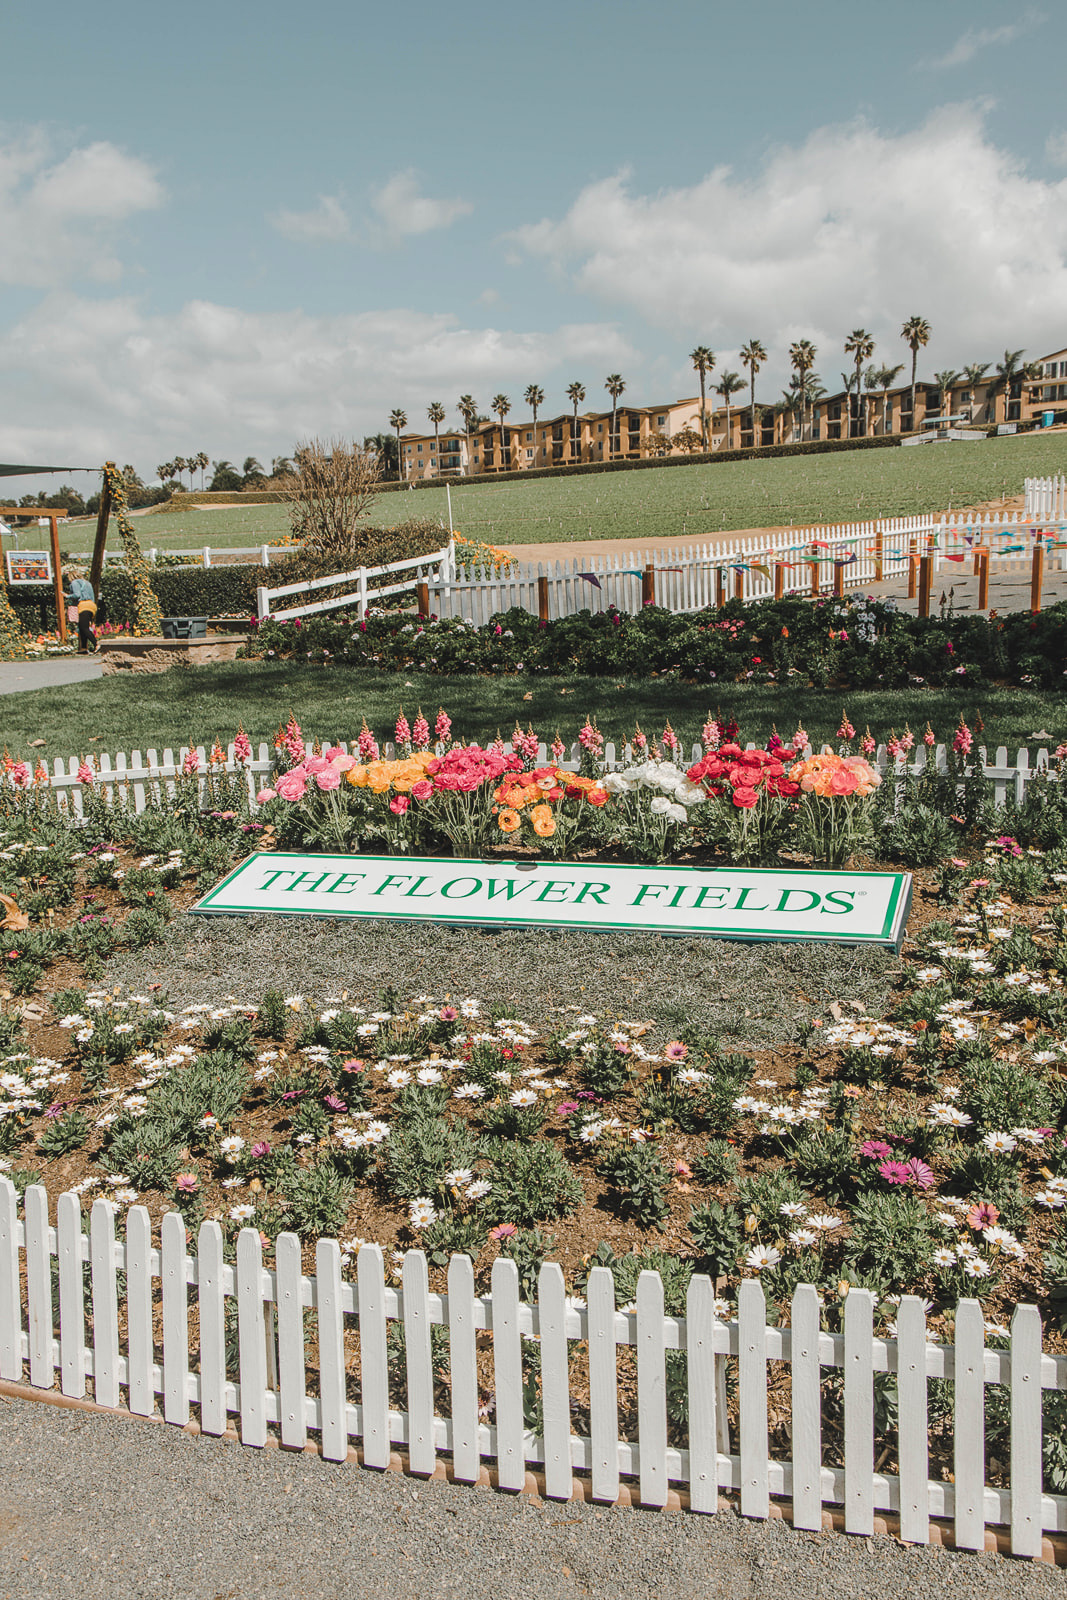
(926, 581)
(102, 520)
(648, 586)
(422, 596)
(814, 573)
(739, 585)
(542, 598)
(1037, 573)
(983, 580)
(57, 582)
(779, 579)
(913, 569)
(720, 588)
(879, 554)
(839, 580)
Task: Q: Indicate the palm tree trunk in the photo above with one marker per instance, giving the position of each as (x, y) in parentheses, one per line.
(703, 415)
(914, 364)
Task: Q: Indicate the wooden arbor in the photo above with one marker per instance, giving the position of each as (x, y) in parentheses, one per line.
(54, 517)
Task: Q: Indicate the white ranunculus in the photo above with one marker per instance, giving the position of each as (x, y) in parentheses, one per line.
(676, 813)
(661, 806)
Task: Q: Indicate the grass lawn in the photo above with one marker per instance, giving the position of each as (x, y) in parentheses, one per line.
(153, 711)
(690, 502)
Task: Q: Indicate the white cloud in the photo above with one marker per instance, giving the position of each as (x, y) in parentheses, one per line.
(58, 213)
(103, 379)
(851, 228)
(403, 211)
(324, 223)
(972, 40)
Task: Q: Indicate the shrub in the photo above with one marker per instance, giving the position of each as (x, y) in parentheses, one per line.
(533, 1183)
(719, 1236)
(892, 1238)
(639, 1182)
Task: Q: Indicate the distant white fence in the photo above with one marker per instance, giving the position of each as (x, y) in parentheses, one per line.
(435, 568)
(134, 776)
(148, 1339)
(1046, 498)
(205, 556)
(806, 561)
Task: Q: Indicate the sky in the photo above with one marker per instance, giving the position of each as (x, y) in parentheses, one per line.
(232, 228)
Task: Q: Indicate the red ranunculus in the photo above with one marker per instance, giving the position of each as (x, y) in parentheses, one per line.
(745, 798)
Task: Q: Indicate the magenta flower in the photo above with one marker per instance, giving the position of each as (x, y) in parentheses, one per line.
(448, 1013)
(920, 1173)
(894, 1172)
(566, 1108)
(506, 1230)
(442, 728)
(676, 1051)
(334, 1102)
(875, 1150)
(259, 1150)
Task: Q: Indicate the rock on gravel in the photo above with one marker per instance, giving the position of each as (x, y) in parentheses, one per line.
(101, 1508)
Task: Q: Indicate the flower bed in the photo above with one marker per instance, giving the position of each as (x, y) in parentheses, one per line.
(853, 643)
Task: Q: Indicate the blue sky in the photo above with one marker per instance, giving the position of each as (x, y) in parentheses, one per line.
(231, 227)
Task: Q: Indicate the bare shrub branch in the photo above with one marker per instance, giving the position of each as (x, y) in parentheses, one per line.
(333, 487)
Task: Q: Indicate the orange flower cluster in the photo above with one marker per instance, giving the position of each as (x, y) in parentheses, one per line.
(380, 776)
(532, 793)
(835, 777)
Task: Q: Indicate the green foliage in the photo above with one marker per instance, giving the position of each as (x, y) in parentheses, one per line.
(638, 1181)
(64, 1135)
(529, 1249)
(532, 1183)
(150, 1150)
(421, 1151)
(719, 1235)
(1007, 1094)
(764, 1195)
(892, 1238)
(918, 836)
(317, 1199)
(717, 1163)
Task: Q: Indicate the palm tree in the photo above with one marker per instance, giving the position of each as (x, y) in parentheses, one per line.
(1007, 372)
(467, 407)
(501, 405)
(251, 469)
(703, 360)
(946, 382)
(727, 385)
(165, 471)
(615, 386)
(887, 377)
(915, 332)
(575, 394)
(871, 376)
(282, 467)
(860, 346)
(534, 397)
(753, 355)
(436, 413)
(974, 375)
(383, 445)
(202, 461)
(802, 356)
(398, 419)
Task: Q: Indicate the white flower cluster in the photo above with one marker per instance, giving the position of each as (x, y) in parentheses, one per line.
(673, 794)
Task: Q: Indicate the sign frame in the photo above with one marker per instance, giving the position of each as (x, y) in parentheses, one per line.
(41, 559)
(226, 897)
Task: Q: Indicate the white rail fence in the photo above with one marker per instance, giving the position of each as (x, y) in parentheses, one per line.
(135, 776)
(204, 556)
(168, 1331)
(793, 561)
(435, 568)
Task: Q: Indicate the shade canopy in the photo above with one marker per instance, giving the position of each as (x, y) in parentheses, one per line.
(7, 471)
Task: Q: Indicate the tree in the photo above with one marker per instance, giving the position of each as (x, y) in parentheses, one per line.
(252, 472)
(804, 389)
(534, 397)
(334, 485)
(860, 346)
(703, 360)
(1008, 372)
(887, 377)
(974, 375)
(226, 477)
(615, 386)
(946, 382)
(165, 472)
(398, 419)
(500, 405)
(753, 355)
(201, 462)
(575, 394)
(383, 446)
(727, 385)
(467, 407)
(436, 413)
(802, 357)
(915, 333)
(688, 439)
(282, 467)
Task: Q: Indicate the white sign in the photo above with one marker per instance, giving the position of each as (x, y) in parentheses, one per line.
(723, 902)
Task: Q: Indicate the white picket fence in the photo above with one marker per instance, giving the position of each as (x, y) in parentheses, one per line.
(1046, 499)
(796, 560)
(165, 1334)
(136, 776)
(435, 568)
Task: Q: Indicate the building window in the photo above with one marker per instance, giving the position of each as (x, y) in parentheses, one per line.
(529, 438)
(661, 422)
(529, 455)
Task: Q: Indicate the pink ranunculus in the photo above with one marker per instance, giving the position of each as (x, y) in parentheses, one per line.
(292, 785)
(333, 752)
(422, 790)
(328, 778)
(315, 764)
(843, 782)
(264, 795)
(399, 804)
(344, 763)
(20, 775)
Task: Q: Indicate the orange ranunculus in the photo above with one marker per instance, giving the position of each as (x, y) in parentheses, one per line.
(542, 821)
(508, 820)
(357, 777)
(596, 796)
(843, 782)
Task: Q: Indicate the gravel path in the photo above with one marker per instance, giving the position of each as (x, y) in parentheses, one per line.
(750, 993)
(98, 1508)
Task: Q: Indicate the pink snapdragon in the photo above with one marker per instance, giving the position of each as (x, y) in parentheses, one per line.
(403, 731)
(846, 731)
(907, 739)
(559, 749)
(670, 740)
(929, 737)
(964, 739)
(420, 732)
(590, 737)
(800, 738)
(710, 734)
(191, 763)
(868, 744)
(442, 728)
(242, 746)
(85, 773)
